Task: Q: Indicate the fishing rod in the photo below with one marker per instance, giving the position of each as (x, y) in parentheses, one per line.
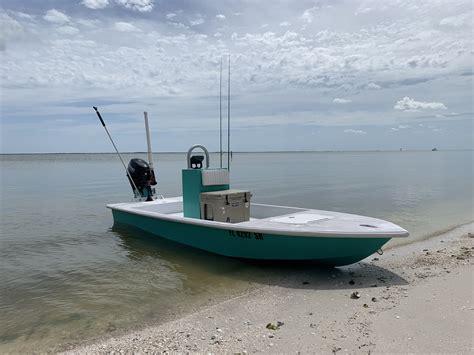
(228, 120)
(136, 191)
(220, 115)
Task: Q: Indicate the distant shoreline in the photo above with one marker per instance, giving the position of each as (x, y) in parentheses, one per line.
(253, 152)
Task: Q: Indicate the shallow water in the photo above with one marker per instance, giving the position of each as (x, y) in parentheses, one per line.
(67, 275)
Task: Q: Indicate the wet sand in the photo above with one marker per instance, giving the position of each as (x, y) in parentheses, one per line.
(414, 298)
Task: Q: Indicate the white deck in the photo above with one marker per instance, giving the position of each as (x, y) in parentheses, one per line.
(276, 220)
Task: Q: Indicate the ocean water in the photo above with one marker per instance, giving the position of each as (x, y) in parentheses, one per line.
(67, 275)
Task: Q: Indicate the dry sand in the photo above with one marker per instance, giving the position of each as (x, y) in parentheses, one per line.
(415, 298)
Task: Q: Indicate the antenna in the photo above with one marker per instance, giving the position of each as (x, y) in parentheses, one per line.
(228, 119)
(220, 114)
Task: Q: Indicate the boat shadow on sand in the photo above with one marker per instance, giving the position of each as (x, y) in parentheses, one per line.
(194, 262)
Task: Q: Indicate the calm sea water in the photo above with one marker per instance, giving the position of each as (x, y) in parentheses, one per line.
(67, 275)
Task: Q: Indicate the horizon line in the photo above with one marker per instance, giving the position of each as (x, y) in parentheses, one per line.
(250, 151)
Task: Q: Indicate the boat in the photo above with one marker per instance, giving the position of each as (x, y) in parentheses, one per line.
(213, 217)
(269, 233)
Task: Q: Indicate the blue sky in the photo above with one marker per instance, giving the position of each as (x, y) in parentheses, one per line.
(306, 75)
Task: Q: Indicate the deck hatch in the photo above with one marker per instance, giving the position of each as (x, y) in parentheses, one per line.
(300, 218)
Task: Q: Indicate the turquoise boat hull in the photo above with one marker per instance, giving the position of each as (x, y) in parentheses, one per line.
(327, 250)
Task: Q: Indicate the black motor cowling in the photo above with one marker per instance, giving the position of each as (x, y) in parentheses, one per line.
(141, 174)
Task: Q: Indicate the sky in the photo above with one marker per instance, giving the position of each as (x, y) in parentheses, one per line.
(305, 75)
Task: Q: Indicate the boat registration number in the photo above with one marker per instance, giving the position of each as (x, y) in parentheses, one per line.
(248, 235)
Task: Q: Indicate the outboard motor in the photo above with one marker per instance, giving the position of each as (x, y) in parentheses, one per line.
(141, 174)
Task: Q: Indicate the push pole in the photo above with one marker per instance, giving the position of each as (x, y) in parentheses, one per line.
(118, 153)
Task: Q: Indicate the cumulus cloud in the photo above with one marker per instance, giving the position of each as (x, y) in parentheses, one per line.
(410, 105)
(220, 17)
(308, 15)
(341, 101)
(363, 10)
(342, 56)
(137, 5)
(196, 22)
(55, 16)
(400, 127)
(23, 15)
(178, 25)
(373, 86)
(95, 4)
(354, 131)
(285, 24)
(10, 27)
(456, 21)
(125, 27)
(68, 30)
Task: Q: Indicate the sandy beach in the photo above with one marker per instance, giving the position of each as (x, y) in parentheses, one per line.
(415, 298)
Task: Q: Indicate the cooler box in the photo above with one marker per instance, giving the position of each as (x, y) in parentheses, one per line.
(231, 206)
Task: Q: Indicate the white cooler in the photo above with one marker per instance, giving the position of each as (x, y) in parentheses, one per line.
(231, 206)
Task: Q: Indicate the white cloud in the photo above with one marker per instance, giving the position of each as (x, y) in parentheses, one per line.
(95, 4)
(137, 5)
(410, 105)
(285, 24)
(126, 27)
(341, 101)
(220, 17)
(56, 16)
(456, 21)
(363, 10)
(400, 127)
(68, 30)
(10, 27)
(354, 131)
(196, 22)
(373, 86)
(170, 15)
(340, 56)
(308, 15)
(88, 23)
(23, 15)
(178, 25)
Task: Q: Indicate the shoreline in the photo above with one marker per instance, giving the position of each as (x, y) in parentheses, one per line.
(414, 298)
